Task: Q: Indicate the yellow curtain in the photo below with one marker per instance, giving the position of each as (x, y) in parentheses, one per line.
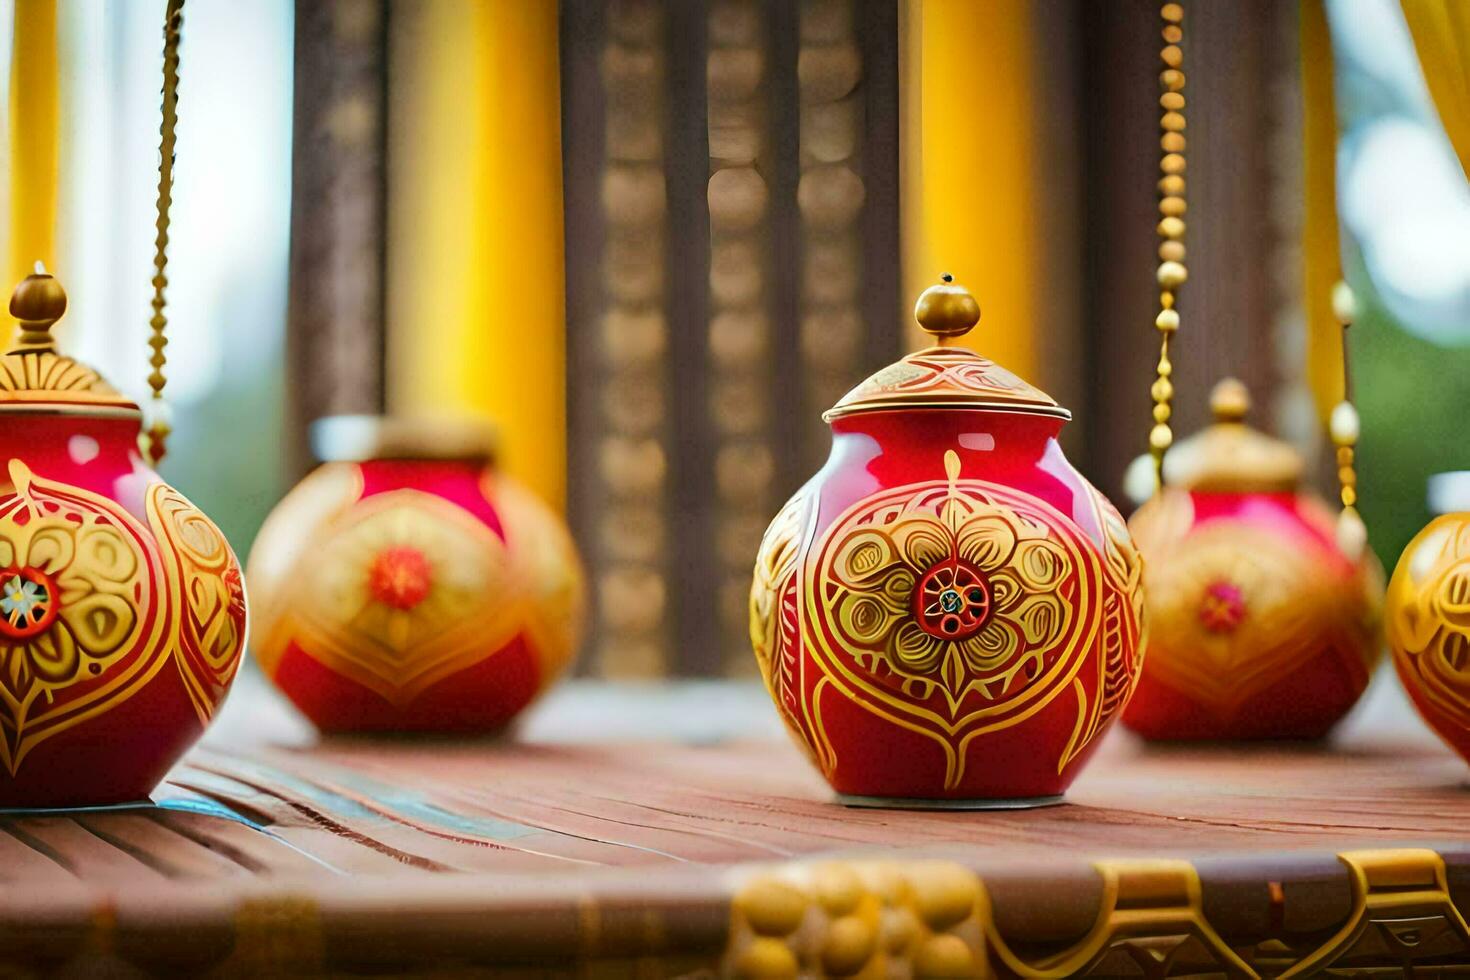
(1321, 249)
(1441, 30)
(969, 137)
(34, 139)
(476, 319)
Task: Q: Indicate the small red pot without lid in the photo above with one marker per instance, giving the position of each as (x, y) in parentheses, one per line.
(407, 585)
(948, 614)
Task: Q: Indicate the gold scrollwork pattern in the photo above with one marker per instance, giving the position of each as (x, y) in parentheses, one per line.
(1124, 633)
(1429, 616)
(775, 630)
(927, 918)
(82, 629)
(941, 373)
(207, 593)
(934, 919)
(954, 608)
(1236, 608)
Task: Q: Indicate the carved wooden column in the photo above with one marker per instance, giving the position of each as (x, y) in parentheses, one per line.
(735, 271)
(335, 340)
(615, 89)
(740, 406)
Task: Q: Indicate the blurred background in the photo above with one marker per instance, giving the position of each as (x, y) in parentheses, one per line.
(654, 239)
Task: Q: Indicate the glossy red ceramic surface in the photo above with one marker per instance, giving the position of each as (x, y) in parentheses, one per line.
(413, 595)
(123, 609)
(948, 611)
(1259, 626)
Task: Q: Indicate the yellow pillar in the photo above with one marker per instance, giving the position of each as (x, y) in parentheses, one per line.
(1321, 250)
(476, 319)
(969, 137)
(34, 139)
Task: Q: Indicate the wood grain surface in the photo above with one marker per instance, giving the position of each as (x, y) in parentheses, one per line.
(639, 802)
(625, 776)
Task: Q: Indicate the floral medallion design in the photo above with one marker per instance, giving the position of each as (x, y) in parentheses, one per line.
(956, 607)
(80, 629)
(1238, 607)
(1124, 633)
(404, 590)
(399, 590)
(208, 594)
(1429, 617)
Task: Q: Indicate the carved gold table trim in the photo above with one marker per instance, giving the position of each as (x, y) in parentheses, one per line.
(934, 919)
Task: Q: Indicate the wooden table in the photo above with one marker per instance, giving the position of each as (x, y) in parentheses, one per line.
(666, 830)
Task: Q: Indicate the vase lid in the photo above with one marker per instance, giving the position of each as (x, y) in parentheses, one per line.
(946, 376)
(1230, 456)
(358, 438)
(34, 376)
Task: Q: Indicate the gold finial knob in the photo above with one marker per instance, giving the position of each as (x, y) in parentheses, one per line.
(1230, 401)
(947, 310)
(37, 303)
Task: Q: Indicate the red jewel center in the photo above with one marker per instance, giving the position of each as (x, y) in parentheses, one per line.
(400, 577)
(29, 603)
(952, 601)
(1223, 607)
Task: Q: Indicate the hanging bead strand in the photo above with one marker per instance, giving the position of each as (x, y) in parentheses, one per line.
(158, 425)
(1352, 533)
(1171, 272)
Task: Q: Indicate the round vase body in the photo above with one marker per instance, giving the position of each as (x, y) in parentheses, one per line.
(1259, 626)
(122, 613)
(1428, 619)
(413, 595)
(948, 612)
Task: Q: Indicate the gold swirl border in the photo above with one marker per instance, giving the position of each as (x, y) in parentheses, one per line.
(936, 919)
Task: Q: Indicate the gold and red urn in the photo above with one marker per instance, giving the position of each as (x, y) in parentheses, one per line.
(948, 614)
(122, 611)
(408, 585)
(1261, 624)
(1428, 618)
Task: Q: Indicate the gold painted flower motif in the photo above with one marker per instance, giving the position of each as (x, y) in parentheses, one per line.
(405, 590)
(67, 604)
(961, 596)
(75, 580)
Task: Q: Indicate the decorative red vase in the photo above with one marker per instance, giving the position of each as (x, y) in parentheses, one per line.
(1260, 625)
(1428, 615)
(406, 586)
(122, 613)
(948, 614)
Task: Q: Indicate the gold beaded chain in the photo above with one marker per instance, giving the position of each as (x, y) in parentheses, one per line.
(158, 426)
(1172, 272)
(1352, 534)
